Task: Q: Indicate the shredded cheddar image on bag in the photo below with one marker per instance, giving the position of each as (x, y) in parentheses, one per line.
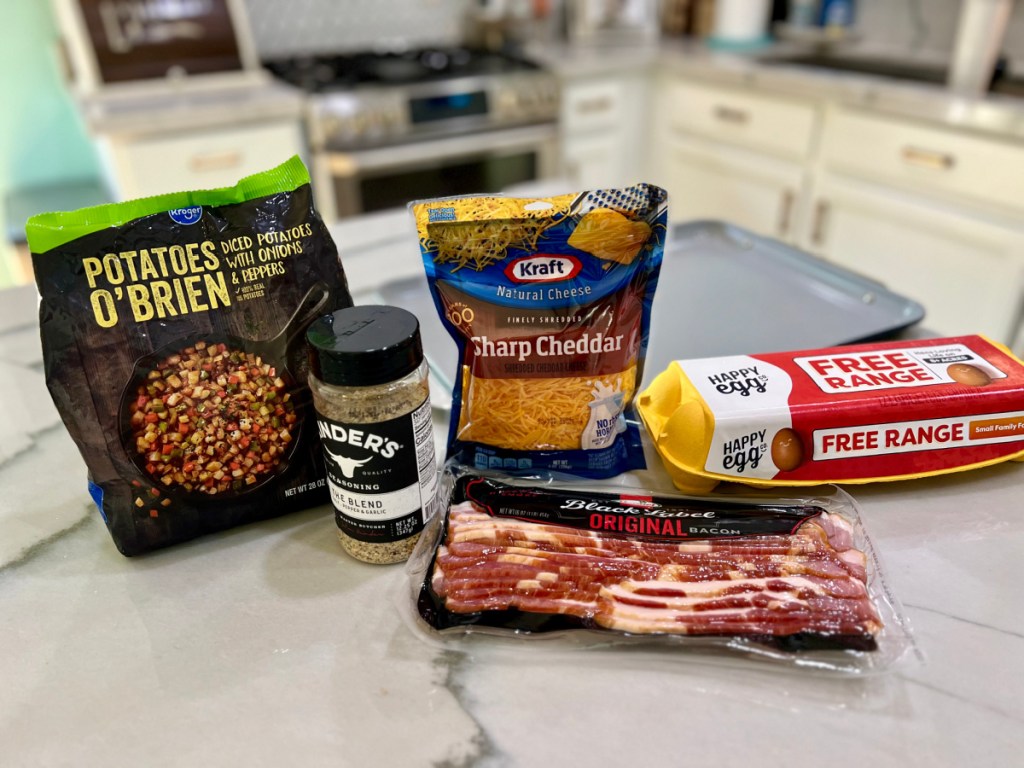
(549, 303)
(609, 235)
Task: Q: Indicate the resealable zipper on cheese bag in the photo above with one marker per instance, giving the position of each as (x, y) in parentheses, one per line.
(173, 332)
(549, 303)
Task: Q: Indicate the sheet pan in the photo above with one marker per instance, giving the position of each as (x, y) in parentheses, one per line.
(723, 290)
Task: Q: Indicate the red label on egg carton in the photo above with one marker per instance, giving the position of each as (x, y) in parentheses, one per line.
(869, 411)
(843, 372)
(923, 435)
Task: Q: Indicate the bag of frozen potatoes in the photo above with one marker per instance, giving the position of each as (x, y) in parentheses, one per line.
(173, 331)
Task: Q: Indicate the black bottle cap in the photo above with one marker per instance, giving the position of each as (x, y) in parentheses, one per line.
(365, 345)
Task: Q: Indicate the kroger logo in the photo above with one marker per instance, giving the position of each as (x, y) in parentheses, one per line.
(188, 215)
(543, 268)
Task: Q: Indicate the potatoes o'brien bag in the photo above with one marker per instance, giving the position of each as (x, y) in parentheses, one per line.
(173, 332)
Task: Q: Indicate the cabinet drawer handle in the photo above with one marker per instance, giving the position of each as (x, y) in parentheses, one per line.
(821, 211)
(590, 106)
(786, 211)
(928, 158)
(217, 161)
(731, 115)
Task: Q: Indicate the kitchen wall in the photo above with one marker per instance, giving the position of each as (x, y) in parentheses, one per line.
(926, 26)
(912, 25)
(42, 137)
(1013, 46)
(306, 26)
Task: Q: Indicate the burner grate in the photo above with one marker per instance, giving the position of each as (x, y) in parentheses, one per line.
(330, 72)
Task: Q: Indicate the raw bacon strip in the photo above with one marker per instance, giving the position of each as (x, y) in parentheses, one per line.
(683, 565)
(578, 608)
(797, 585)
(812, 582)
(775, 595)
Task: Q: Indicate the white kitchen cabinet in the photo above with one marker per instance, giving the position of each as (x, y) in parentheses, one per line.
(593, 162)
(202, 159)
(773, 125)
(967, 270)
(706, 180)
(602, 124)
(727, 153)
(937, 162)
(930, 211)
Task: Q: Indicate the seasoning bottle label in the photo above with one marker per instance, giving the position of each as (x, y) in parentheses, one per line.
(381, 475)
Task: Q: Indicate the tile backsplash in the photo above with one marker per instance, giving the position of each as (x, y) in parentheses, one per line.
(926, 26)
(913, 25)
(311, 26)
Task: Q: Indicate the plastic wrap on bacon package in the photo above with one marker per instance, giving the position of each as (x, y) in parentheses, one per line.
(790, 580)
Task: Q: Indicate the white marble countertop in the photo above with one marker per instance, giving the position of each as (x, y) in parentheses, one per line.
(997, 115)
(267, 646)
(169, 107)
(166, 107)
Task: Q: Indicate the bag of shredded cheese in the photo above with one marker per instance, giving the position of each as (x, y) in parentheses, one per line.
(549, 303)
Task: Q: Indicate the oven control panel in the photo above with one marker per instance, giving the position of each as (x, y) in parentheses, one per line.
(367, 117)
(526, 98)
(346, 119)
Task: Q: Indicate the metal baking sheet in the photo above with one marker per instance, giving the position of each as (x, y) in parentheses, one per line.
(722, 291)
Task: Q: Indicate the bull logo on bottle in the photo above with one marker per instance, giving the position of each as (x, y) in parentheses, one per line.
(346, 465)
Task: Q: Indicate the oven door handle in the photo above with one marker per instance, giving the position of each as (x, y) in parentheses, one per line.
(422, 154)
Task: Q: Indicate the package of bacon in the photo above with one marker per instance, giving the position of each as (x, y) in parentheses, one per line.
(792, 580)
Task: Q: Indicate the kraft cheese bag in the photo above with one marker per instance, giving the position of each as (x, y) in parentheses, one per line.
(173, 333)
(855, 414)
(549, 303)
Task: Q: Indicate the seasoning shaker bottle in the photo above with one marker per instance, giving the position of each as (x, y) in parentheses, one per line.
(369, 384)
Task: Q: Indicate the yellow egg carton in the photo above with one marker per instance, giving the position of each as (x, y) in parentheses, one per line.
(854, 414)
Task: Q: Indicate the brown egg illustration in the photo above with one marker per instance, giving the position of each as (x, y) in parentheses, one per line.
(787, 450)
(969, 375)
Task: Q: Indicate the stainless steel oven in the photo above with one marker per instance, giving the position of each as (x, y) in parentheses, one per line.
(385, 129)
(386, 177)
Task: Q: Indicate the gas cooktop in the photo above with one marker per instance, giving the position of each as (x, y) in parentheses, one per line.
(328, 72)
(374, 99)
